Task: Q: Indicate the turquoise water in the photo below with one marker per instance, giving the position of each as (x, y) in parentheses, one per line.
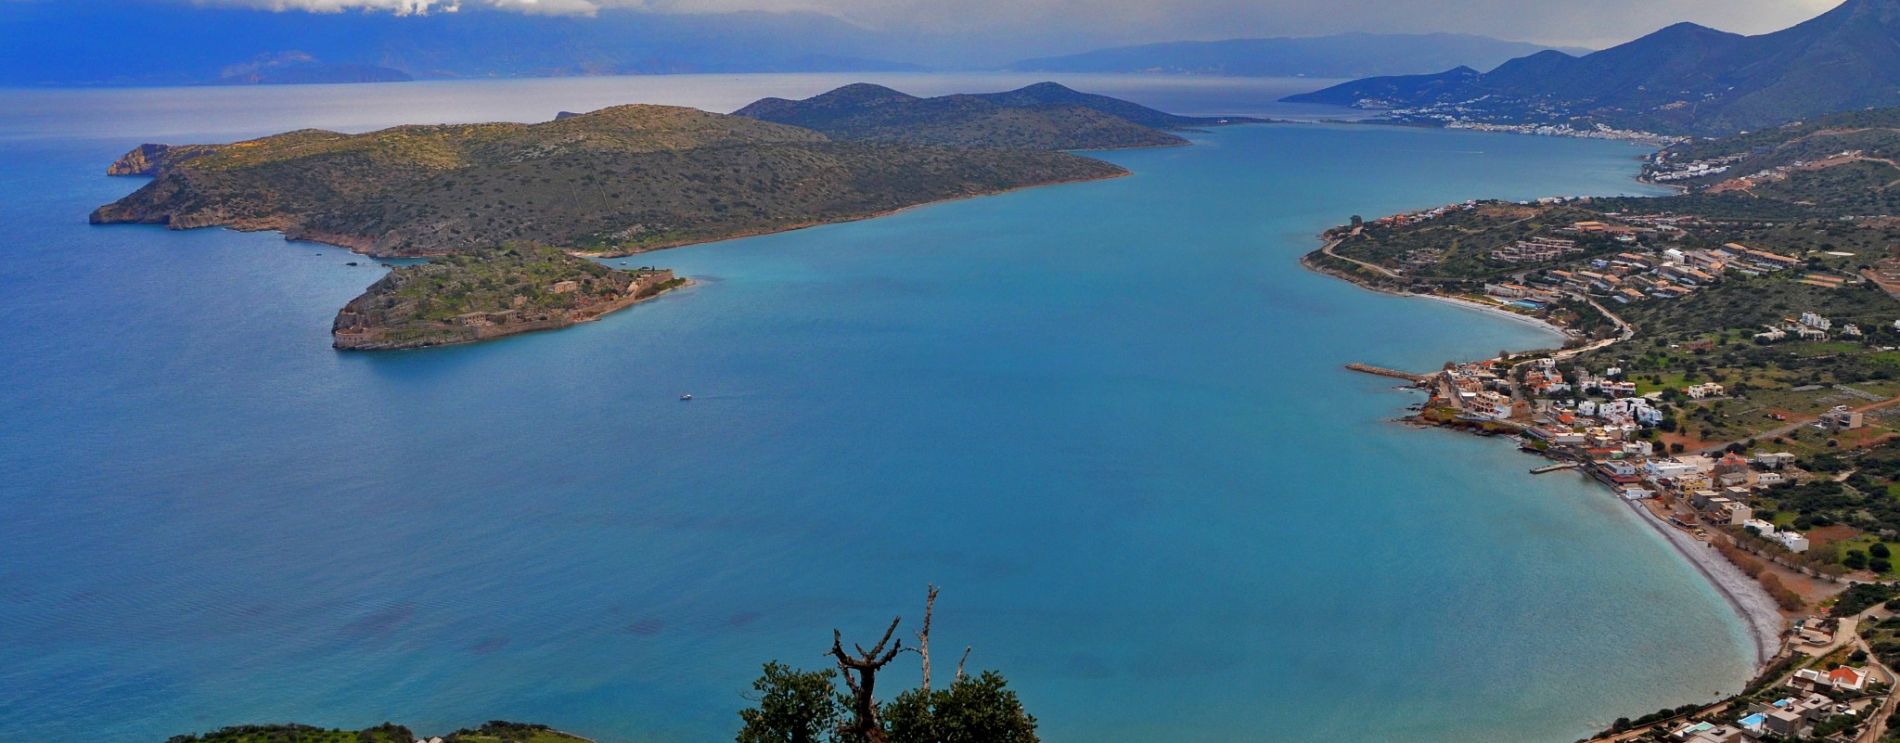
(1108, 418)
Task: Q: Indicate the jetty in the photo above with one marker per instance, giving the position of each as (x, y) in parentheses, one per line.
(1553, 467)
(1381, 371)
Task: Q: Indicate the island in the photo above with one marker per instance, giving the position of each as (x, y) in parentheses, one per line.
(491, 204)
(612, 182)
(484, 294)
(1729, 371)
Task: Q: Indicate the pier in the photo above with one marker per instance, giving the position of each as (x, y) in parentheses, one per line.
(1553, 467)
(1381, 371)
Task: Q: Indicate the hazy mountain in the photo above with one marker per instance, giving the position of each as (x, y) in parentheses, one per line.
(153, 43)
(1044, 116)
(1684, 78)
(1342, 55)
(299, 68)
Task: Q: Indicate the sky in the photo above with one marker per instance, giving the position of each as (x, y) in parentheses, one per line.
(1593, 23)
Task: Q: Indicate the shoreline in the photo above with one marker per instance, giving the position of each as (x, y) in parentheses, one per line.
(1480, 307)
(1760, 616)
(1498, 312)
(578, 317)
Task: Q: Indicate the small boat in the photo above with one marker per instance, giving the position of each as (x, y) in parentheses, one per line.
(687, 396)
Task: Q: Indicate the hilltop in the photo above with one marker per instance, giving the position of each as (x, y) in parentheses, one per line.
(1684, 79)
(616, 181)
(1334, 56)
(1044, 116)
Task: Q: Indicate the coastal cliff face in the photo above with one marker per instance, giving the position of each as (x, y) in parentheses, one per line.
(616, 181)
(489, 294)
(148, 159)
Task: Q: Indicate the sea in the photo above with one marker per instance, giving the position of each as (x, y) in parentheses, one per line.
(1110, 420)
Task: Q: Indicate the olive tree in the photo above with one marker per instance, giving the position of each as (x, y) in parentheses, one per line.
(794, 706)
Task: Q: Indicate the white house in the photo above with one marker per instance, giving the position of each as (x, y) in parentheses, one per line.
(1706, 389)
(1667, 469)
(1776, 460)
(1794, 541)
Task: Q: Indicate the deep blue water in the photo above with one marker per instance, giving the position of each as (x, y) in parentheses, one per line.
(1109, 419)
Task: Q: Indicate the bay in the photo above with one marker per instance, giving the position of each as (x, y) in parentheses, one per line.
(1109, 418)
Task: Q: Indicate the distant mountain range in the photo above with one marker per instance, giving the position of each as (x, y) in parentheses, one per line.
(1684, 79)
(297, 68)
(1044, 116)
(1341, 55)
(166, 43)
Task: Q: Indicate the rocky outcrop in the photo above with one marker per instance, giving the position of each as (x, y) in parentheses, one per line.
(149, 159)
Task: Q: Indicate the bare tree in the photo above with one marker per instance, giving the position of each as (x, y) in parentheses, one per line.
(923, 635)
(963, 660)
(864, 725)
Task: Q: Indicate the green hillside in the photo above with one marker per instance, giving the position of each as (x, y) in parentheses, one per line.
(1045, 116)
(616, 181)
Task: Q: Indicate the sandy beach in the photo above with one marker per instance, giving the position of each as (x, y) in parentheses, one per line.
(1494, 311)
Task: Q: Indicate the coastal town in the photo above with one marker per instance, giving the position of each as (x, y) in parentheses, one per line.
(1730, 371)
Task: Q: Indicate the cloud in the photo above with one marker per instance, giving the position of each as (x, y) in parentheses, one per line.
(417, 7)
(1590, 22)
(399, 7)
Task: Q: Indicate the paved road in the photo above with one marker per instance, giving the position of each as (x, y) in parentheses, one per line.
(1330, 253)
